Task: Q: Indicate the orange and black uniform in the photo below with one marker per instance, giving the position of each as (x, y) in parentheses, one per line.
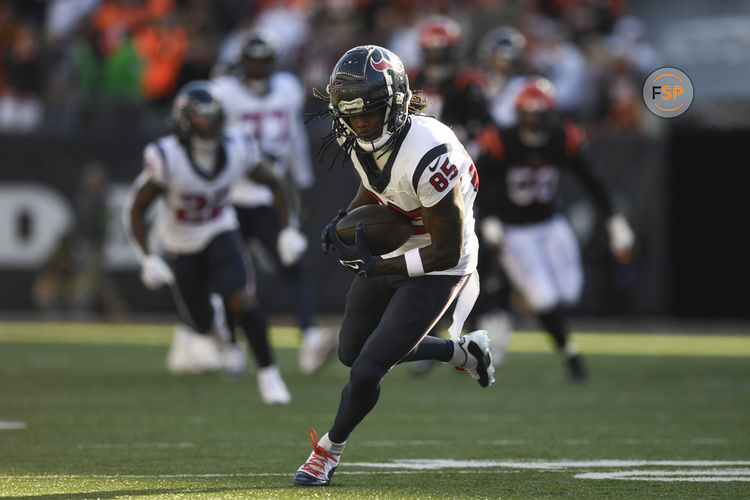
(520, 183)
(458, 99)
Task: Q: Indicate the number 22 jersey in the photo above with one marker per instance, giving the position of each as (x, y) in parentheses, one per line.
(196, 204)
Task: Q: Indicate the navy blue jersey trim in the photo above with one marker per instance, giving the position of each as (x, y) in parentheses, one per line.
(221, 160)
(377, 179)
(164, 162)
(428, 157)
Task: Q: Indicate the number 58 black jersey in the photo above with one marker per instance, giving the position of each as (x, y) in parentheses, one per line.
(520, 183)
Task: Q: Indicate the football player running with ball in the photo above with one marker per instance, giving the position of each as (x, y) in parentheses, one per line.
(413, 164)
(193, 170)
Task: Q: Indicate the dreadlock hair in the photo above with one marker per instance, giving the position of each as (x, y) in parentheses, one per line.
(417, 105)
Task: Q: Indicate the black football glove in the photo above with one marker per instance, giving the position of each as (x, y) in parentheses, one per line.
(356, 257)
(325, 241)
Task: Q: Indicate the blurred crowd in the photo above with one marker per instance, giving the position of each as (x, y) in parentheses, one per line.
(62, 58)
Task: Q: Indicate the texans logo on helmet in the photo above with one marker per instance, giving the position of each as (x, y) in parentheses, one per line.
(381, 65)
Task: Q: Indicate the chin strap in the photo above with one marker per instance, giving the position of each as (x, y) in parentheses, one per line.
(372, 146)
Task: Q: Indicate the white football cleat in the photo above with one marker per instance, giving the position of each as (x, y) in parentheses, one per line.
(233, 360)
(315, 350)
(319, 466)
(478, 358)
(272, 388)
(193, 353)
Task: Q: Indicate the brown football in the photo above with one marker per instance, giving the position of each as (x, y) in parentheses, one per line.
(385, 228)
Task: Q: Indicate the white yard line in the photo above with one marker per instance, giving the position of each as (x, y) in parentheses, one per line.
(699, 471)
(7, 426)
(429, 464)
(691, 475)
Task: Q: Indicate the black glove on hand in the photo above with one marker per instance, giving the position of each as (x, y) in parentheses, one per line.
(356, 257)
(325, 241)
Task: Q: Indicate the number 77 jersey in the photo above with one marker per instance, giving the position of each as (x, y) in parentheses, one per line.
(427, 161)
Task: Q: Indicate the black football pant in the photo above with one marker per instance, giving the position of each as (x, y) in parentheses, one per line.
(218, 268)
(386, 321)
(262, 223)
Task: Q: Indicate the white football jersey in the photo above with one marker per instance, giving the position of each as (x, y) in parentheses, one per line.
(425, 164)
(503, 102)
(196, 205)
(275, 121)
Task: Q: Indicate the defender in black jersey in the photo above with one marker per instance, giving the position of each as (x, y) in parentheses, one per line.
(455, 92)
(537, 248)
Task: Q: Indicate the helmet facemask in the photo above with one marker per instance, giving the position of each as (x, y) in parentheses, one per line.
(197, 115)
(535, 106)
(368, 79)
(381, 135)
(439, 42)
(502, 50)
(258, 61)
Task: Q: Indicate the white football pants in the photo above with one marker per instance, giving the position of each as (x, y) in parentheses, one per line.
(543, 262)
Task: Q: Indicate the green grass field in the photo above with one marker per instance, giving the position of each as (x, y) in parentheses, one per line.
(88, 411)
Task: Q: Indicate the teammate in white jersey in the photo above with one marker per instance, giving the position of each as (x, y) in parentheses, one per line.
(415, 165)
(192, 170)
(269, 106)
(503, 53)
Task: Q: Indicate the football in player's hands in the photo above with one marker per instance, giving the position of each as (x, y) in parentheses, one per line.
(385, 228)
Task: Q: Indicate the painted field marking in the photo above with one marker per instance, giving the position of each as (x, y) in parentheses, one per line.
(691, 475)
(431, 464)
(7, 426)
(448, 463)
(711, 474)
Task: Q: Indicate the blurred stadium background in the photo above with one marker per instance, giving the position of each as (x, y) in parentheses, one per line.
(88, 82)
(85, 84)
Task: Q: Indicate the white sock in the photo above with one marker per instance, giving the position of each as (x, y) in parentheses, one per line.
(459, 355)
(570, 350)
(334, 448)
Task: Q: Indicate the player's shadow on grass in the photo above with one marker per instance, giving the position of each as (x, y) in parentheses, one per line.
(133, 492)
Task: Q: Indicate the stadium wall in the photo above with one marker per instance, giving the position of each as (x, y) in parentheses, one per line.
(41, 173)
